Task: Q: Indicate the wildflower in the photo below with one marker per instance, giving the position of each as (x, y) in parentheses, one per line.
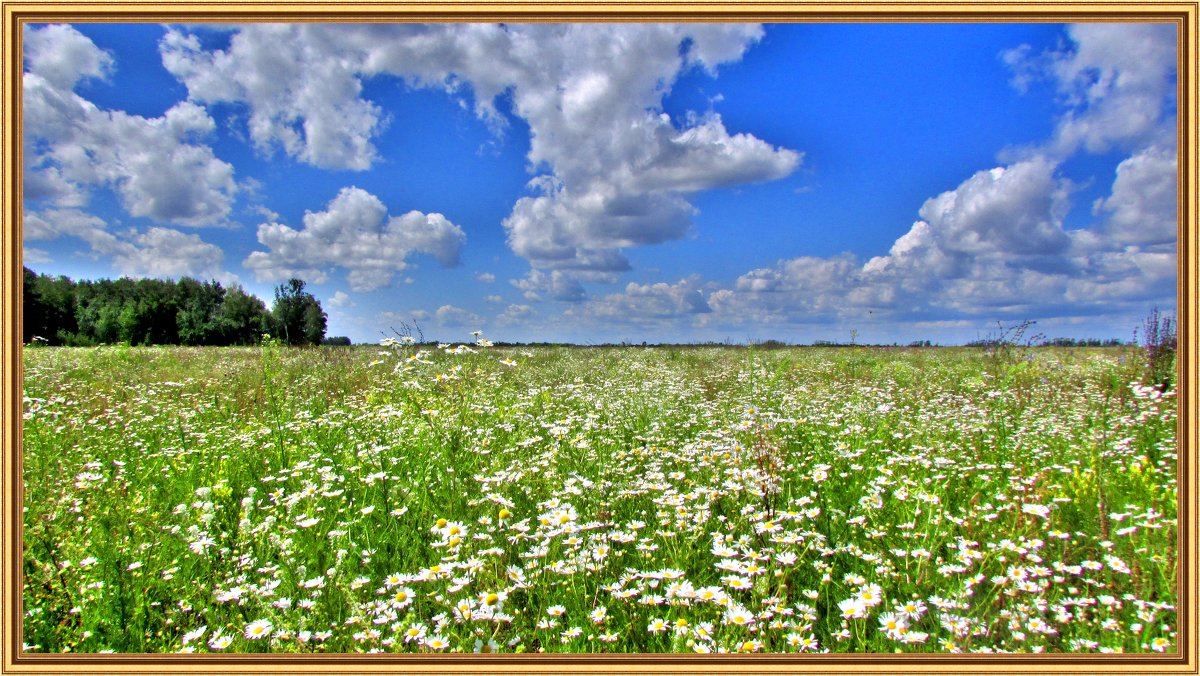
(893, 625)
(436, 643)
(871, 595)
(194, 634)
(853, 608)
(739, 616)
(1042, 511)
(415, 632)
(737, 582)
(258, 629)
(657, 625)
(402, 597)
(220, 642)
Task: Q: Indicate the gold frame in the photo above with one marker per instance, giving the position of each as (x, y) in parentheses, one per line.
(1186, 17)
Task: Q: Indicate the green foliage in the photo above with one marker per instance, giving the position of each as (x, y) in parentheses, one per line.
(139, 312)
(297, 316)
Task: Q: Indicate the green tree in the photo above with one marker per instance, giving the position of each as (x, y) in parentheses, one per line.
(152, 312)
(314, 323)
(199, 317)
(243, 318)
(48, 308)
(297, 316)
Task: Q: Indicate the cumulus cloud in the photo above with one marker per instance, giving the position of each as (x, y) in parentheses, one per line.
(1014, 210)
(960, 259)
(341, 299)
(62, 56)
(164, 252)
(354, 233)
(450, 316)
(155, 252)
(515, 315)
(158, 167)
(995, 246)
(1142, 207)
(302, 97)
(552, 285)
(1115, 82)
(612, 171)
(649, 302)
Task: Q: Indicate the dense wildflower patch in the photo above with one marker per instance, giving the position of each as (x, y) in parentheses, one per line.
(466, 498)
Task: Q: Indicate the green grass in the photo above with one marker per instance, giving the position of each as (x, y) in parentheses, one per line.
(681, 499)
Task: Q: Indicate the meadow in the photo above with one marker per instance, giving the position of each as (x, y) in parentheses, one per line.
(469, 498)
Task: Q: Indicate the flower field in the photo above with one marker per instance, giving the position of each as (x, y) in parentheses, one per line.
(468, 498)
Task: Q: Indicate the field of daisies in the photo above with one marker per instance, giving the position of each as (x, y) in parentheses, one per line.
(466, 498)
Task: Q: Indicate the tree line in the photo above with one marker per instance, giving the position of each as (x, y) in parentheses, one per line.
(60, 311)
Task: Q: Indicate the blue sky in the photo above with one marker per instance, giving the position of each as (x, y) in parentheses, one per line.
(594, 183)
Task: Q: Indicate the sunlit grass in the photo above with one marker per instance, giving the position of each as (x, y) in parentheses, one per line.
(470, 498)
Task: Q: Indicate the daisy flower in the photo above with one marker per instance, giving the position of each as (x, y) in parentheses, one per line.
(415, 632)
(258, 629)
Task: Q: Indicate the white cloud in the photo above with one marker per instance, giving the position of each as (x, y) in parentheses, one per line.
(302, 96)
(163, 252)
(649, 302)
(1141, 209)
(1013, 210)
(156, 252)
(486, 277)
(341, 299)
(993, 247)
(450, 316)
(265, 212)
(354, 233)
(613, 171)
(1115, 80)
(515, 314)
(552, 285)
(156, 166)
(63, 56)
(34, 256)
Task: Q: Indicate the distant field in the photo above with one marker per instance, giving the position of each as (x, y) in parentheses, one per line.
(715, 499)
